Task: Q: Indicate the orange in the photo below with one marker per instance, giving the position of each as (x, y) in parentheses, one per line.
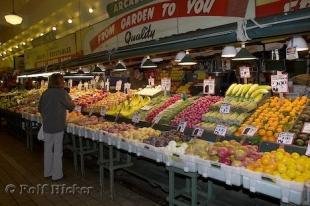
(269, 133)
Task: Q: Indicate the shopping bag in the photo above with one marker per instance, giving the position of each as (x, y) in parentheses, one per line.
(40, 134)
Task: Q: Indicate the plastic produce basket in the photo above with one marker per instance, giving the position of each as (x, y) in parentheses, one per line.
(286, 191)
(126, 145)
(149, 151)
(181, 161)
(225, 173)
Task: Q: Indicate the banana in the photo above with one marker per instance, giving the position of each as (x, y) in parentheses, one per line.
(236, 89)
(267, 87)
(246, 89)
(251, 90)
(229, 90)
(258, 98)
(240, 90)
(258, 92)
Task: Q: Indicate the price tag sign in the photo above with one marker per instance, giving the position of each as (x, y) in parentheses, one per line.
(102, 84)
(181, 127)
(127, 88)
(306, 128)
(249, 131)
(70, 83)
(220, 130)
(136, 118)
(156, 119)
(80, 85)
(151, 81)
(118, 85)
(197, 132)
(78, 108)
(18, 101)
(291, 53)
(166, 84)
(225, 109)
(308, 149)
(245, 72)
(285, 138)
(107, 85)
(42, 83)
(209, 86)
(86, 86)
(103, 111)
(279, 83)
(97, 79)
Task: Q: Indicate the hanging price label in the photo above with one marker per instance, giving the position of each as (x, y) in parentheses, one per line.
(107, 85)
(249, 131)
(80, 85)
(197, 132)
(156, 119)
(225, 109)
(291, 53)
(102, 84)
(86, 86)
(70, 83)
(103, 111)
(220, 130)
(181, 127)
(127, 88)
(97, 78)
(151, 81)
(245, 72)
(279, 83)
(166, 84)
(306, 128)
(78, 108)
(308, 149)
(118, 85)
(136, 118)
(285, 138)
(42, 83)
(209, 86)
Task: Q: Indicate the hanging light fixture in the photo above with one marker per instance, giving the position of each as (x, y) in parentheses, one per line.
(298, 42)
(147, 63)
(98, 69)
(229, 51)
(13, 18)
(243, 54)
(179, 56)
(120, 66)
(187, 60)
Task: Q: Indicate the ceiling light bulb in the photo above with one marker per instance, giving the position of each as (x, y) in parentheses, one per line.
(16, 47)
(41, 34)
(23, 43)
(54, 28)
(299, 43)
(90, 10)
(4, 53)
(13, 19)
(229, 51)
(69, 21)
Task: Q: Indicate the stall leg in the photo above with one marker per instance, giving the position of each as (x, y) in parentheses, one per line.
(101, 169)
(111, 170)
(75, 156)
(171, 188)
(81, 156)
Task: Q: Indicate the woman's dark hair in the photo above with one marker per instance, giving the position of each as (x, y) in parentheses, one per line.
(55, 81)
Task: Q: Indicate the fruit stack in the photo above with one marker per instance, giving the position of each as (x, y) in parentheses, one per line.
(165, 137)
(275, 116)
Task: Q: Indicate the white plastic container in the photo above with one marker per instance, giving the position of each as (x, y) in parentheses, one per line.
(149, 151)
(181, 161)
(126, 145)
(225, 173)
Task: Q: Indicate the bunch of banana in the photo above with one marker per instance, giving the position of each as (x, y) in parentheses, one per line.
(248, 91)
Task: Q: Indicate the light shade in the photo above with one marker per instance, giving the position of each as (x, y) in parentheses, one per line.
(147, 64)
(187, 60)
(299, 43)
(243, 55)
(13, 19)
(179, 56)
(120, 66)
(229, 51)
(98, 70)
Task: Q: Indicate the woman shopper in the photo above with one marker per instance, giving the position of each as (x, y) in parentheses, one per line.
(53, 106)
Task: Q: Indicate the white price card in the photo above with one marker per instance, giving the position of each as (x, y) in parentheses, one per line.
(166, 84)
(291, 53)
(225, 109)
(151, 81)
(103, 111)
(308, 149)
(156, 119)
(245, 72)
(102, 84)
(249, 131)
(86, 85)
(209, 86)
(80, 85)
(107, 85)
(136, 118)
(97, 78)
(42, 83)
(127, 88)
(78, 108)
(118, 85)
(197, 132)
(306, 128)
(181, 127)
(220, 130)
(285, 138)
(279, 83)
(70, 83)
